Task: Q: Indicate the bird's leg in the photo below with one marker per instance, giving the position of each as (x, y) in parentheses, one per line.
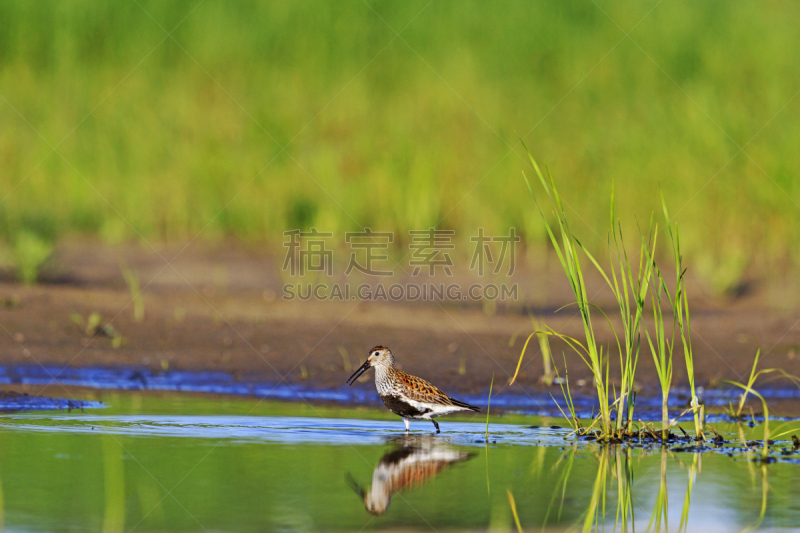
(436, 424)
(406, 421)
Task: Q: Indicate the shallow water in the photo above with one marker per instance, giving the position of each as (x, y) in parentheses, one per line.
(176, 462)
(543, 403)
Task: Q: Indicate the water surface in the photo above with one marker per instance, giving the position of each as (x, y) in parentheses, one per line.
(175, 462)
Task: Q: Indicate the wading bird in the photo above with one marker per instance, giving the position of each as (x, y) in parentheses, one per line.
(405, 395)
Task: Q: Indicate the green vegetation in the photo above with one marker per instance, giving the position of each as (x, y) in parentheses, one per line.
(628, 285)
(30, 253)
(547, 356)
(94, 327)
(488, 407)
(132, 280)
(148, 445)
(630, 288)
(662, 351)
(748, 387)
(624, 288)
(680, 313)
(567, 250)
(539, 328)
(401, 133)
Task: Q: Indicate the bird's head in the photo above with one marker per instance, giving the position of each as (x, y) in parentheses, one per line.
(378, 356)
(376, 503)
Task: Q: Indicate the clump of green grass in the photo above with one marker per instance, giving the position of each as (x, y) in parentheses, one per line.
(751, 381)
(30, 252)
(663, 347)
(624, 287)
(661, 350)
(748, 389)
(681, 314)
(567, 247)
(93, 327)
(132, 280)
(631, 288)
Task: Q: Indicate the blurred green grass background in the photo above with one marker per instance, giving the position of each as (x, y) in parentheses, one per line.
(172, 137)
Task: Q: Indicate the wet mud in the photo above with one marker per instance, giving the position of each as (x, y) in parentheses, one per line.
(220, 311)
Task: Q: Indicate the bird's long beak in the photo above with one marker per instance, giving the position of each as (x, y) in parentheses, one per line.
(357, 374)
(354, 485)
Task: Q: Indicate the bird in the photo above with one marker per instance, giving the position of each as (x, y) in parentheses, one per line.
(410, 464)
(407, 396)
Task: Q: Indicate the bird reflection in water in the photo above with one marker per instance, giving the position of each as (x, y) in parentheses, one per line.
(412, 462)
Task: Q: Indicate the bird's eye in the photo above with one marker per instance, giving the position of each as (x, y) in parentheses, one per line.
(375, 354)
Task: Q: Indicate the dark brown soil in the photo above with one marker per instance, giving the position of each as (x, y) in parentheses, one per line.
(220, 309)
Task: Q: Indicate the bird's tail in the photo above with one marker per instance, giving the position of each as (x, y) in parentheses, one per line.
(465, 405)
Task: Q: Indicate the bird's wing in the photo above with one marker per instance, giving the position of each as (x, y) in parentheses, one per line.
(421, 391)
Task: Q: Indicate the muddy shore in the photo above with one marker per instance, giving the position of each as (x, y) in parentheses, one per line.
(223, 311)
